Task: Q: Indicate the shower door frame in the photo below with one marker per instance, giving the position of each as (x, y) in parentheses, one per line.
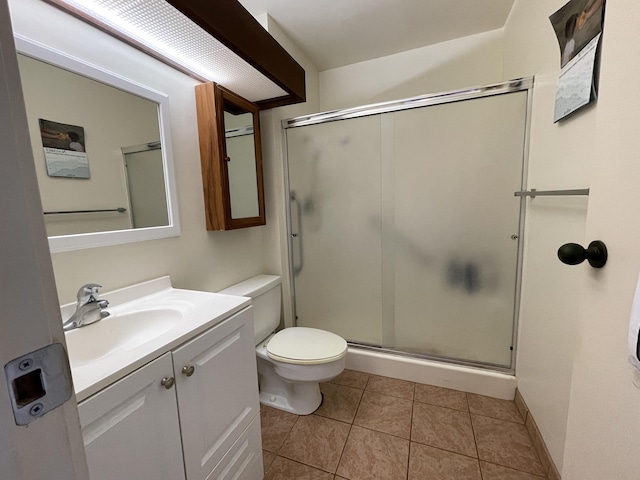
(524, 84)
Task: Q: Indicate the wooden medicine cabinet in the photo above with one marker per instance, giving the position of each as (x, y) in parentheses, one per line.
(231, 156)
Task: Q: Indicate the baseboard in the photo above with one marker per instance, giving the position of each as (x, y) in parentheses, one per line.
(538, 442)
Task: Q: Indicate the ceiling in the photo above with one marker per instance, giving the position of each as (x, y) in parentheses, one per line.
(334, 33)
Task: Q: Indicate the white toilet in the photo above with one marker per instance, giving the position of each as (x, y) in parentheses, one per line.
(292, 362)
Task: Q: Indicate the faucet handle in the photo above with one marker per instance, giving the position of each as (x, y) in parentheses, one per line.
(88, 293)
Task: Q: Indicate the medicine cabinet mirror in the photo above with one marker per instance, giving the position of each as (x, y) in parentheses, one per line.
(231, 156)
(102, 150)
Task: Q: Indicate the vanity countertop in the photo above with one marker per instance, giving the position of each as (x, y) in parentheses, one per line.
(146, 320)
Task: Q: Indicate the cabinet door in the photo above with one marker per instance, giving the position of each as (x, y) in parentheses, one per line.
(131, 428)
(218, 401)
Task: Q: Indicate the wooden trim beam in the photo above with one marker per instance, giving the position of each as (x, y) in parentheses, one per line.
(233, 26)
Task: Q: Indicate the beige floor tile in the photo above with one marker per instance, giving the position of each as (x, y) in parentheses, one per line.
(505, 443)
(339, 402)
(352, 378)
(276, 425)
(491, 471)
(443, 397)
(434, 464)
(391, 386)
(385, 414)
(285, 469)
(267, 460)
(370, 455)
(494, 408)
(316, 441)
(443, 428)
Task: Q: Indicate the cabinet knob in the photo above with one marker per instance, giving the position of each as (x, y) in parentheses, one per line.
(188, 370)
(168, 382)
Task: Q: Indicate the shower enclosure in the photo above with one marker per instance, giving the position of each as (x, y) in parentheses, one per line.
(404, 227)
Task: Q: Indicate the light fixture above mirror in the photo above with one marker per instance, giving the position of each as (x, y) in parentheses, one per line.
(102, 146)
(211, 41)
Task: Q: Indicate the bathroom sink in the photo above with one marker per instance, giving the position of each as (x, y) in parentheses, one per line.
(119, 332)
(145, 321)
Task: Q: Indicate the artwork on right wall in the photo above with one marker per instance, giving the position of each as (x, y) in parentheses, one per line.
(578, 27)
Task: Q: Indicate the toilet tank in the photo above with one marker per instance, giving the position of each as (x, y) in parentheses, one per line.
(265, 293)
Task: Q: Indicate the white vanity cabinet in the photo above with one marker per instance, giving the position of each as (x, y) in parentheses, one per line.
(207, 424)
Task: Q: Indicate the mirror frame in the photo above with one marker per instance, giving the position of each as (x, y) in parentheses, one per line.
(210, 100)
(67, 62)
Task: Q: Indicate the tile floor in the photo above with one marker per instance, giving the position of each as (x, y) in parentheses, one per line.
(377, 428)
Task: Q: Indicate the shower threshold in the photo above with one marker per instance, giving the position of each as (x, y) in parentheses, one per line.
(482, 379)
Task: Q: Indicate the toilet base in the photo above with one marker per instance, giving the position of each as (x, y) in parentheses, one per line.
(301, 398)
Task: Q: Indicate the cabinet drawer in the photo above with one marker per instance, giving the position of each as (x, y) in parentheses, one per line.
(243, 461)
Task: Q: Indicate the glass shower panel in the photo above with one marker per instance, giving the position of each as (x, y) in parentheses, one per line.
(454, 246)
(335, 190)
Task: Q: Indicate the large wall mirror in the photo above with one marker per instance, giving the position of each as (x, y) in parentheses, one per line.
(231, 155)
(102, 150)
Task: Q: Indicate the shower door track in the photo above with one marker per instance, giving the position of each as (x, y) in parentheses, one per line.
(502, 88)
(511, 86)
(492, 367)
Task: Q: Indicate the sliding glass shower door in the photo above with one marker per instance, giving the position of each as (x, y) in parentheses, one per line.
(335, 191)
(405, 227)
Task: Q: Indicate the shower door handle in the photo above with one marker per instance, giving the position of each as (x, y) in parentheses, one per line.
(298, 235)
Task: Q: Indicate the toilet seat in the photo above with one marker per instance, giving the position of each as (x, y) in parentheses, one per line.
(305, 346)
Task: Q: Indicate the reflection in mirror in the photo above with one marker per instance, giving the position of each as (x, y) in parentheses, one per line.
(241, 162)
(145, 182)
(101, 150)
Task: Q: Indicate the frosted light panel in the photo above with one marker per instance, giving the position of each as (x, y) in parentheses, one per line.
(162, 28)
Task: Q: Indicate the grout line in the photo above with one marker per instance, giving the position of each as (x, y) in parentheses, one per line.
(475, 439)
(413, 403)
(344, 447)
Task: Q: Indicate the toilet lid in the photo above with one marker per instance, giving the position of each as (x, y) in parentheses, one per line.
(302, 345)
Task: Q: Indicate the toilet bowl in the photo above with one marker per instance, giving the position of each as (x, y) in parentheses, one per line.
(292, 362)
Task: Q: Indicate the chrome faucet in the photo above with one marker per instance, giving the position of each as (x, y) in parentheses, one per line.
(88, 308)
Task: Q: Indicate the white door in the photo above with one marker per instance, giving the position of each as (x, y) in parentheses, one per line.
(51, 446)
(218, 399)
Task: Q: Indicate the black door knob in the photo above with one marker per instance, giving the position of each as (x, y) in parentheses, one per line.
(573, 254)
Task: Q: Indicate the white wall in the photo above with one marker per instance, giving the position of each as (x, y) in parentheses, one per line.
(559, 158)
(460, 63)
(604, 413)
(273, 153)
(572, 367)
(197, 259)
